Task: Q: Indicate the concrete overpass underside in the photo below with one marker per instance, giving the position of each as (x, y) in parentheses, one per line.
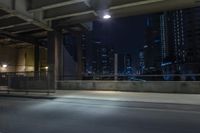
(28, 21)
(42, 23)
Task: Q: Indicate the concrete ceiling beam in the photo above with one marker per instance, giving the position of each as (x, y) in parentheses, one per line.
(19, 8)
(13, 26)
(143, 2)
(6, 16)
(49, 4)
(25, 39)
(56, 17)
(151, 6)
(27, 30)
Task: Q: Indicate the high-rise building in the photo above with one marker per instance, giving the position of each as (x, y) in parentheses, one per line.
(121, 63)
(192, 40)
(152, 48)
(103, 59)
(167, 37)
(167, 23)
(128, 64)
(180, 37)
(141, 62)
(84, 52)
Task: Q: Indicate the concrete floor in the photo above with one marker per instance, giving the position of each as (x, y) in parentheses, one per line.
(75, 115)
(174, 98)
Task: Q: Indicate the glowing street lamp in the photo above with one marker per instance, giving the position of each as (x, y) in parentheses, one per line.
(106, 16)
(4, 65)
(46, 67)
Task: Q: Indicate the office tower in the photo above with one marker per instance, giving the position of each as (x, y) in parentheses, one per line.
(128, 64)
(180, 39)
(141, 62)
(103, 59)
(152, 48)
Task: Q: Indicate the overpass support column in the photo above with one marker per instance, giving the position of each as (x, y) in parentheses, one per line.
(55, 58)
(36, 58)
(79, 57)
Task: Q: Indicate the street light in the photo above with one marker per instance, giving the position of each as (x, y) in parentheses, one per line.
(106, 16)
(4, 65)
(46, 67)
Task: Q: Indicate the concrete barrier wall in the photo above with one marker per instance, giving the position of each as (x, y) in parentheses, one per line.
(149, 86)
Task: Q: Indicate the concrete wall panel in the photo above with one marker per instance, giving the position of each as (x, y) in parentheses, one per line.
(150, 86)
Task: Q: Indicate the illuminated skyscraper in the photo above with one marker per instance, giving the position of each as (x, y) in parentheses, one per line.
(103, 59)
(180, 38)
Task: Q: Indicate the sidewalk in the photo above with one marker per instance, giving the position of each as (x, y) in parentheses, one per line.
(193, 99)
(132, 96)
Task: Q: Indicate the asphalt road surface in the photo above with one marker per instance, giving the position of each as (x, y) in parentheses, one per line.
(23, 115)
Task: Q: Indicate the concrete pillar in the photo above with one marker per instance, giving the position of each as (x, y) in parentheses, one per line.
(79, 56)
(36, 58)
(55, 58)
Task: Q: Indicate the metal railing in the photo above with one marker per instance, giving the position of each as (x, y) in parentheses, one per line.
(41, 82)
(135, 77)
(37, 82)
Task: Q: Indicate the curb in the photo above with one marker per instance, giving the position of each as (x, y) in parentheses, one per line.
(28, 96)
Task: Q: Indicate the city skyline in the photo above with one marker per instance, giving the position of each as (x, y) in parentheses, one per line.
(158, 36)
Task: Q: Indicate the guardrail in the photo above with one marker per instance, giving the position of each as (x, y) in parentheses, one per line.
(41, 82)
(135, 77)
(37, 82)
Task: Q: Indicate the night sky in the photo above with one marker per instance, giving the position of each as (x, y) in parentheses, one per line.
(126, 35)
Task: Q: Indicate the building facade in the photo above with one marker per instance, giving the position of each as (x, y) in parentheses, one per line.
(103, 59)
(152, 48)
(180, 39)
